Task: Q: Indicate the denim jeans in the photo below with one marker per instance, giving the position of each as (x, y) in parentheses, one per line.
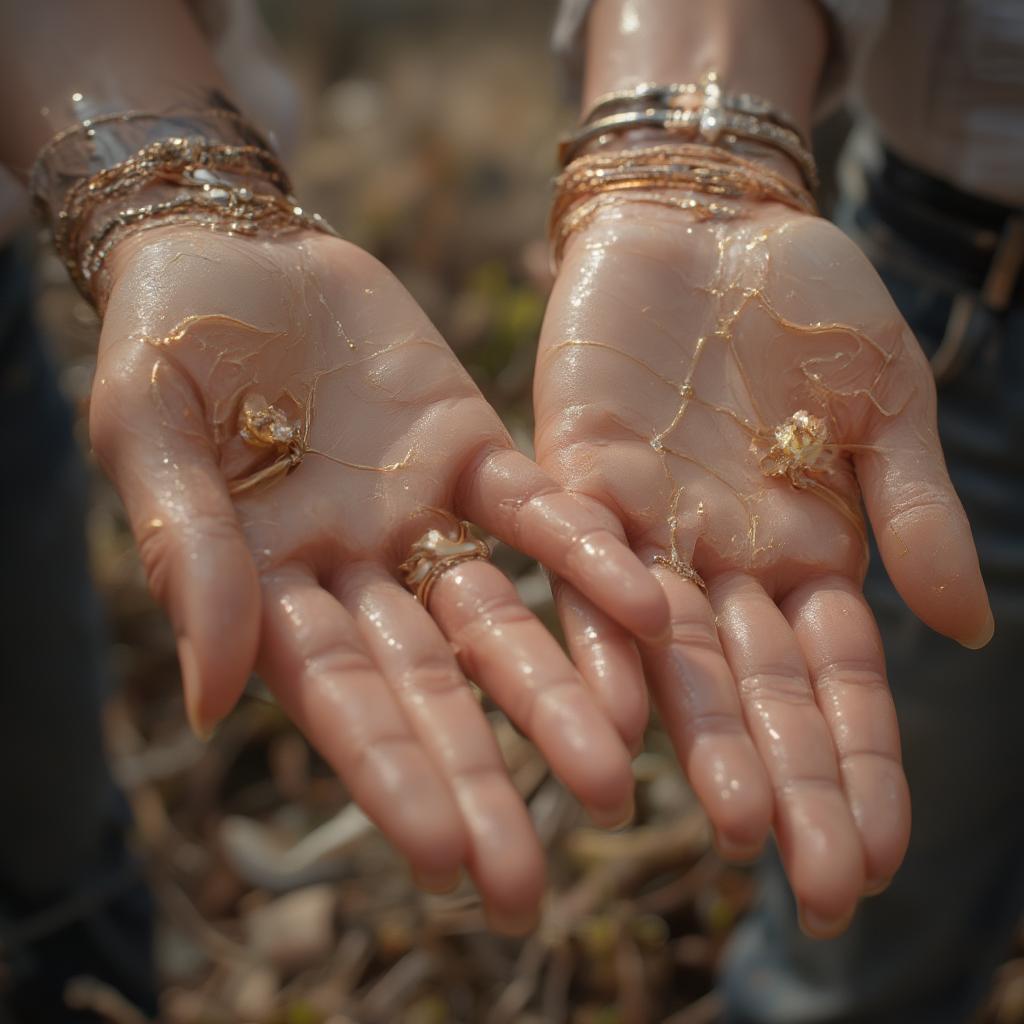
(923, 952)
(71, 899)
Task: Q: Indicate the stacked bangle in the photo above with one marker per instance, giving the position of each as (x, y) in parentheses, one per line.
(695, 112)
(113, 176)
(657, 175)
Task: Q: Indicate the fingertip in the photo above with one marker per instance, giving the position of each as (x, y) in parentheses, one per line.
(191, 686)
(609, 796)
(983, 636)
(220, 640)
(732, 785)
(737, 851)
(615, 818)
(432, 837)
(514, 924)
(818, 926)
(438, 883)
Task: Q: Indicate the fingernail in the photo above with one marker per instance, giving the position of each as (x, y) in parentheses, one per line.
(737, 853)
(190, 687)
(436, 882)
(620, 818)
(874, 888)
(511, 923)
(984, 635)
(819, 927)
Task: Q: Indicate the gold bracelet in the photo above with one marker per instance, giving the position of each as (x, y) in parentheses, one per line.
(97, 142)
(233, 183)
(656, 174)
(236, 210)
(720, 119)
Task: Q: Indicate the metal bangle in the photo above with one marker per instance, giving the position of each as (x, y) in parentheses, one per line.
(699, 124)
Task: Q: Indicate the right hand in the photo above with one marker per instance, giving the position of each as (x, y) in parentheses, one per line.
(297, 576)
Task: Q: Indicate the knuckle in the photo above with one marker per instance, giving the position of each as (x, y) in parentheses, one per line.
(433, 676)
(156, 546)
(336, 660)
(363, 755)
(694, 632)
(785, 687)
(162, 545)
(708, 724)
(552, 700)
(215, 526)
(499, 609)
(792, 787)
(854, 674)
(887, 759)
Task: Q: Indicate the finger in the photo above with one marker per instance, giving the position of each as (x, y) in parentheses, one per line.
(512, 498)
(505, 857)
(921, 529)
(817, 835)
(693, 690)
(193, 550)
(840, 643)
(315, 662)
(504, 648)
(607, 659)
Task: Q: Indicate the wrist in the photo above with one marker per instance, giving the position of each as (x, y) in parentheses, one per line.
(772, 48)
(205, 168)
(761, 155)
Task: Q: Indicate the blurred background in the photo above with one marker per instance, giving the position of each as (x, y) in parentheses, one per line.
(424, 132)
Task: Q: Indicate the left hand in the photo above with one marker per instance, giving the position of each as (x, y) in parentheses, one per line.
(671, 353)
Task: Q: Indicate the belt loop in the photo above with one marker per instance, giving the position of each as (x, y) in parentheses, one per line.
(973, 314)
(1004, 272)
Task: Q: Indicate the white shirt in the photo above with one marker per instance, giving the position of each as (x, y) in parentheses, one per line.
(942, 82)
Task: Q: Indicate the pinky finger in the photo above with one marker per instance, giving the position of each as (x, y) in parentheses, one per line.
(509, 496)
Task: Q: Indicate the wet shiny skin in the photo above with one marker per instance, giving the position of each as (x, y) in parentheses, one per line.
(674, 352)
(298, 576)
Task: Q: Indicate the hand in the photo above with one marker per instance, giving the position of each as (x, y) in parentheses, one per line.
(674, 356)
(284, 555)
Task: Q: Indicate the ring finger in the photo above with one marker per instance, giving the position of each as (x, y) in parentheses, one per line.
(506, 650)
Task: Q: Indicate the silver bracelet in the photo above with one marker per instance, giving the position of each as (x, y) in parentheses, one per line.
(666, 95)
(720, 119)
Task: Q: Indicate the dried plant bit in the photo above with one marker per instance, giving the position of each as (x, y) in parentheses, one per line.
(800, 442)
(266, 426)
(435, 552)
(263, 425)
(682, 568)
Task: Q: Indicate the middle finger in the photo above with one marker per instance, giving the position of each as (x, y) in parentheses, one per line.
(506, 650)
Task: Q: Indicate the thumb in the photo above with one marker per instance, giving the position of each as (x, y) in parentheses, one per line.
(921, 527)
(147, 428)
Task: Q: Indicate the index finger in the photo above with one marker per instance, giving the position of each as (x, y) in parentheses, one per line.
(512, 498)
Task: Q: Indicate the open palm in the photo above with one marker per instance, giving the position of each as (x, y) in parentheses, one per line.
(728, 390)
(283, 422)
